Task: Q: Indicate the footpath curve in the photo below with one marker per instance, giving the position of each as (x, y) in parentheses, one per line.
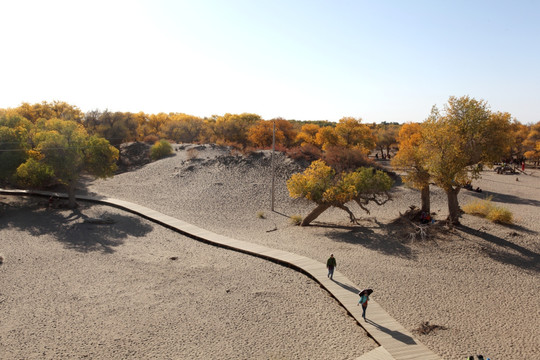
(395, 341)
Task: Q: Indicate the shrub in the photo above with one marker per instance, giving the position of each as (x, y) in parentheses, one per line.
(160, 149)
(500, 215)
(306, 151)
(261, 215)
(296, 219)
(485, 208)
(479, 207)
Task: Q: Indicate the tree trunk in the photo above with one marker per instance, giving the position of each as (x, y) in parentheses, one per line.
(314, 214)
(351, 215)
(453, 206)
(72, 204)
(426, 203)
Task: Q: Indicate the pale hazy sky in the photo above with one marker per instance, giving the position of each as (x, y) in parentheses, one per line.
(298, 59)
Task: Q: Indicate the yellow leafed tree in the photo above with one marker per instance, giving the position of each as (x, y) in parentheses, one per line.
(63, 149)
(453, 142)
(326, 188)
(410, 158)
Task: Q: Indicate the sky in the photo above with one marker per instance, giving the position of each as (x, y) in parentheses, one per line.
(297, 59)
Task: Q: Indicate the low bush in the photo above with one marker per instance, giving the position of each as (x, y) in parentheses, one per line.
(160, 149)
(500, 215)
(479, 207)
(261, 215)
(485, 208)
(306, 151)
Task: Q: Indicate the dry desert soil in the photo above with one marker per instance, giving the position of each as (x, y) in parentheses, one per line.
(128, 288)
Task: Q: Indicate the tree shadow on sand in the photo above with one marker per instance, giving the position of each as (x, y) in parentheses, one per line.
(386, 241)
(69, 226)
(505, 198)
(506, 251)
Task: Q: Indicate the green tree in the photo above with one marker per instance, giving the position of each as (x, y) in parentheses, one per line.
(326, 188)
(453, 142)
(65, 148)
(14, 133)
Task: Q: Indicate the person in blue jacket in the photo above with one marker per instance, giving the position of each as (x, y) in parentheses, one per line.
(364, 297)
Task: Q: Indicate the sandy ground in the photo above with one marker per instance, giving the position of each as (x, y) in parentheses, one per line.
(480, 280)
(71, 290)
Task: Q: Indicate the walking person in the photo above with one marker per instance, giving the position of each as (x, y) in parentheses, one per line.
(331, 265)
(364, 297)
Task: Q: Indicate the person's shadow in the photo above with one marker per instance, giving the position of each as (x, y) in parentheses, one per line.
(347, 287)
(406, 339)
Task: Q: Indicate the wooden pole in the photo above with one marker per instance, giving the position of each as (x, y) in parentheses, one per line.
(272, 160)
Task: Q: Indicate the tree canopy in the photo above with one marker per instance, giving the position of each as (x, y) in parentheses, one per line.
(62, 150)
(14, 134)
(326, 188)
(411, 159)
(464, 134)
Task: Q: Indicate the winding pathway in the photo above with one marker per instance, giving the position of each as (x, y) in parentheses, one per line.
(395, 341)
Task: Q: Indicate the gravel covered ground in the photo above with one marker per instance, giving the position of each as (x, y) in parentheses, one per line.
(480, 281)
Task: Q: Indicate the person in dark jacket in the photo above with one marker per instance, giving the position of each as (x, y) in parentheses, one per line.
(331, 265)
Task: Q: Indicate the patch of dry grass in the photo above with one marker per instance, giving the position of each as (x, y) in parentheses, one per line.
(485, 208)
(500, 215)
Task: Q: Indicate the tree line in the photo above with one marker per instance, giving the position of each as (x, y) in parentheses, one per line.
(246, 130)
(36, 140)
